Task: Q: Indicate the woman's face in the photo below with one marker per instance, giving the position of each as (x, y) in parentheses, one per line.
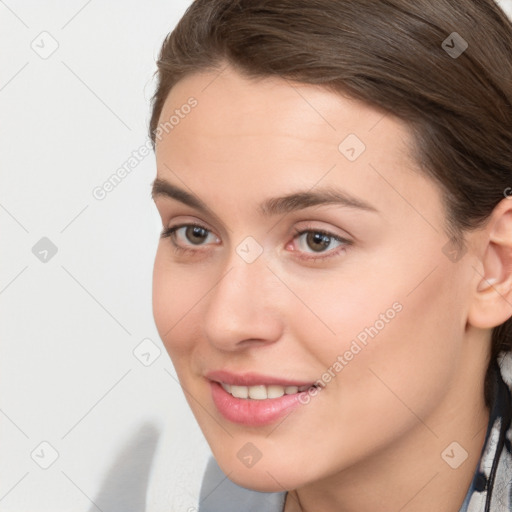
(349, 283)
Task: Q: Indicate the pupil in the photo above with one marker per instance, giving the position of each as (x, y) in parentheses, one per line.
(318, 238)
(198, 234)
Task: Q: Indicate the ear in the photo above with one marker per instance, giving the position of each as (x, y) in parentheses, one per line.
(492, 303)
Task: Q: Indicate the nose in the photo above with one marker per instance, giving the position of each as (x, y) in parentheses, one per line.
(244, 308)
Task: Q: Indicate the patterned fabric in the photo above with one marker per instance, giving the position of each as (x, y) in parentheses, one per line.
(490, 490)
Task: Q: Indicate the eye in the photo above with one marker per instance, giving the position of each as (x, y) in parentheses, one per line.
(317, 241)
(187, 235)
(310, 241)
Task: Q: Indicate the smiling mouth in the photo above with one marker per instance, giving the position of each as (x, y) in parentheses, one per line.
(263, 392)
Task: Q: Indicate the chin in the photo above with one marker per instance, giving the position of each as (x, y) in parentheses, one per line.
(262, 481)
(265, 476)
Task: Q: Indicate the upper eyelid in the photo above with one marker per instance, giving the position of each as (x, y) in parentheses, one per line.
(163, 203)
(296, 231)
(178, 226)
(200, 223)
(299, 232)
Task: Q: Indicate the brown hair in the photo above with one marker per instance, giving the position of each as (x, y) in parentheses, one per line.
(390, 54)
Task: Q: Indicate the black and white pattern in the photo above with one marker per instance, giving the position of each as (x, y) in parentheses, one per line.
(491, 489)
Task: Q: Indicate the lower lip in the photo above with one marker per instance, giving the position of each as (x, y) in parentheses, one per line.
(252, 412)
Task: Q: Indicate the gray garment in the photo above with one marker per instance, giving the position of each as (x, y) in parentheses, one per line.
(220, 494)
(490, 490)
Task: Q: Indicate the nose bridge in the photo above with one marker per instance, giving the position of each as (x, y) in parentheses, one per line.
(240, 306)
(242, 286)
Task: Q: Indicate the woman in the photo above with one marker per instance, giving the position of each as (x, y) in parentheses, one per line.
(334, 278)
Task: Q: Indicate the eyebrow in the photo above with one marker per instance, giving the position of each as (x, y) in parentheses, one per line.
(274, 205)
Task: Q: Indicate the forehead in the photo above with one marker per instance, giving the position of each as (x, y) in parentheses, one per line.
(272, 133)
(230, 101)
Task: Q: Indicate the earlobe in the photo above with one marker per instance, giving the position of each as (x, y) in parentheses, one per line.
(492, 302)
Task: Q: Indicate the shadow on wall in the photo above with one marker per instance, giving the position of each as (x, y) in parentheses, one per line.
(125, 485)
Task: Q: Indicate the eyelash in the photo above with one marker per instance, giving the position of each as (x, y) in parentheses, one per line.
(169, 233)
(329, 254)
(171, 230)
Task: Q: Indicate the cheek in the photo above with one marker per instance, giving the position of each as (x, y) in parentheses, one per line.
(396, 331)
(405, 365)
(344, 310)
(175, 293)
(411, 359)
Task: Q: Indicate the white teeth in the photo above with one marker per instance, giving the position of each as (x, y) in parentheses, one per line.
(262, 392)
(275, 391)
(227, 387)
(258, 392)
(240, 391)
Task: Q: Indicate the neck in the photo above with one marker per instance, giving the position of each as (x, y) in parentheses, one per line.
(420, 472)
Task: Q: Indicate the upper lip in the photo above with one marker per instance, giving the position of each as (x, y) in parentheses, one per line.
(252, 379)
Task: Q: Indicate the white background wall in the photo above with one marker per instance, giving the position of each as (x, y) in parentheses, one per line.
(69, 325)
(507, 6)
